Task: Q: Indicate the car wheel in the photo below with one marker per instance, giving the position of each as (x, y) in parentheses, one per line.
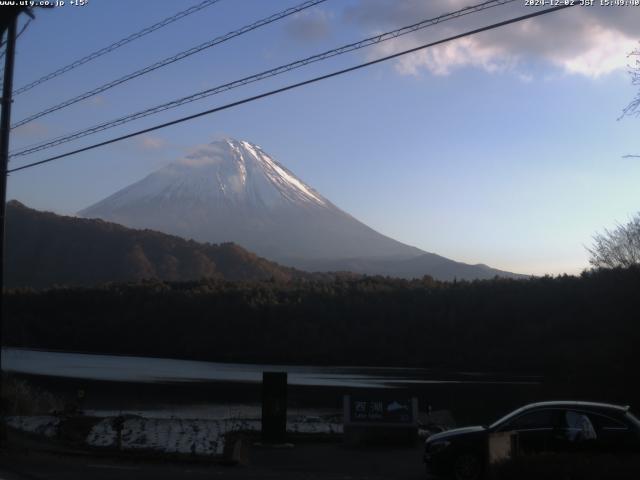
(467, 466)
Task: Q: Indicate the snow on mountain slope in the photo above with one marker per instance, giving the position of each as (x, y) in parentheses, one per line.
(232, 191)
(227, 171)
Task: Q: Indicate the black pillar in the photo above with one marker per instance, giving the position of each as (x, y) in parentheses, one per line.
(274, 407)
(5, 128)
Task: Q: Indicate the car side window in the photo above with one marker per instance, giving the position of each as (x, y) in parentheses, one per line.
(579, 426)
(536, 420)
(607, 424)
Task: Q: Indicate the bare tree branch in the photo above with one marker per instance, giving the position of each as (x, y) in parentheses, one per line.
(619, 247)
(633, 109)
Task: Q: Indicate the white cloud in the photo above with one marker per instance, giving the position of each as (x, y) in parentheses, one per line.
(589, 41)
(608, 51)
(442, 59)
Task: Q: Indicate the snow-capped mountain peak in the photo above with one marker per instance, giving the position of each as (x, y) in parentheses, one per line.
(237, 171)
(278, 174)
(223, 172)
(233, 191)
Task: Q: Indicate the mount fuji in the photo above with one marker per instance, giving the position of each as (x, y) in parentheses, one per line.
(232, 191)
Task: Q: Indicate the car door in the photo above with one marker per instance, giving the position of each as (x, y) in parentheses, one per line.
(576, 432)
(535, 430)
(595, 432)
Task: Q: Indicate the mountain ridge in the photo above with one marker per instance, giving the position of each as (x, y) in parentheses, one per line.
(232, 190)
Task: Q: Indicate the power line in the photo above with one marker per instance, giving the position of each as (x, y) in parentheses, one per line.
(116, 45)
(2, 54)
(260, 76)
(24, 27)
(293, 86)
(169, 60)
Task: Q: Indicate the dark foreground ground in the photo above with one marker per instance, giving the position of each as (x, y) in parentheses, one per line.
(331, 461)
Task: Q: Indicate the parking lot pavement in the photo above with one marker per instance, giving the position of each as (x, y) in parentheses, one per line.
(337, 461)
(321, 461)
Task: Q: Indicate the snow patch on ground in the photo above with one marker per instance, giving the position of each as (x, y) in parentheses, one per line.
(46, 425)
(188, 436)
(103, 434)
(197, 437)
(169, 434)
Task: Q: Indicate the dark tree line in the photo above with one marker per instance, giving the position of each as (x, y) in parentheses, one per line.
(586, 327)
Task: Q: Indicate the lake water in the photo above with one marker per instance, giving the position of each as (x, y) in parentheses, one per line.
(163, 370)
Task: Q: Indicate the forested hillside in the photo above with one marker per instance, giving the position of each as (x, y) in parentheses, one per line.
(45, 249)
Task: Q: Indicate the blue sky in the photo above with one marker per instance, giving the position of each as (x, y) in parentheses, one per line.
(502, 149)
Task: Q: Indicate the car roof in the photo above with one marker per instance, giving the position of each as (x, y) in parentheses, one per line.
(596, 406)
(576, 404)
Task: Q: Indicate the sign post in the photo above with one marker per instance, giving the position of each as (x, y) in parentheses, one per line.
(379, 418)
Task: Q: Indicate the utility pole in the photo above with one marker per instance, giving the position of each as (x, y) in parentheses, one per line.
(5, 129)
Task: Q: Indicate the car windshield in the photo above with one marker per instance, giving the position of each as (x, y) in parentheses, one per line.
(506, 418)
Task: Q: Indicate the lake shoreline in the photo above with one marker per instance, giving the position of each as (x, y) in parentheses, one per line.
(330, 367)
